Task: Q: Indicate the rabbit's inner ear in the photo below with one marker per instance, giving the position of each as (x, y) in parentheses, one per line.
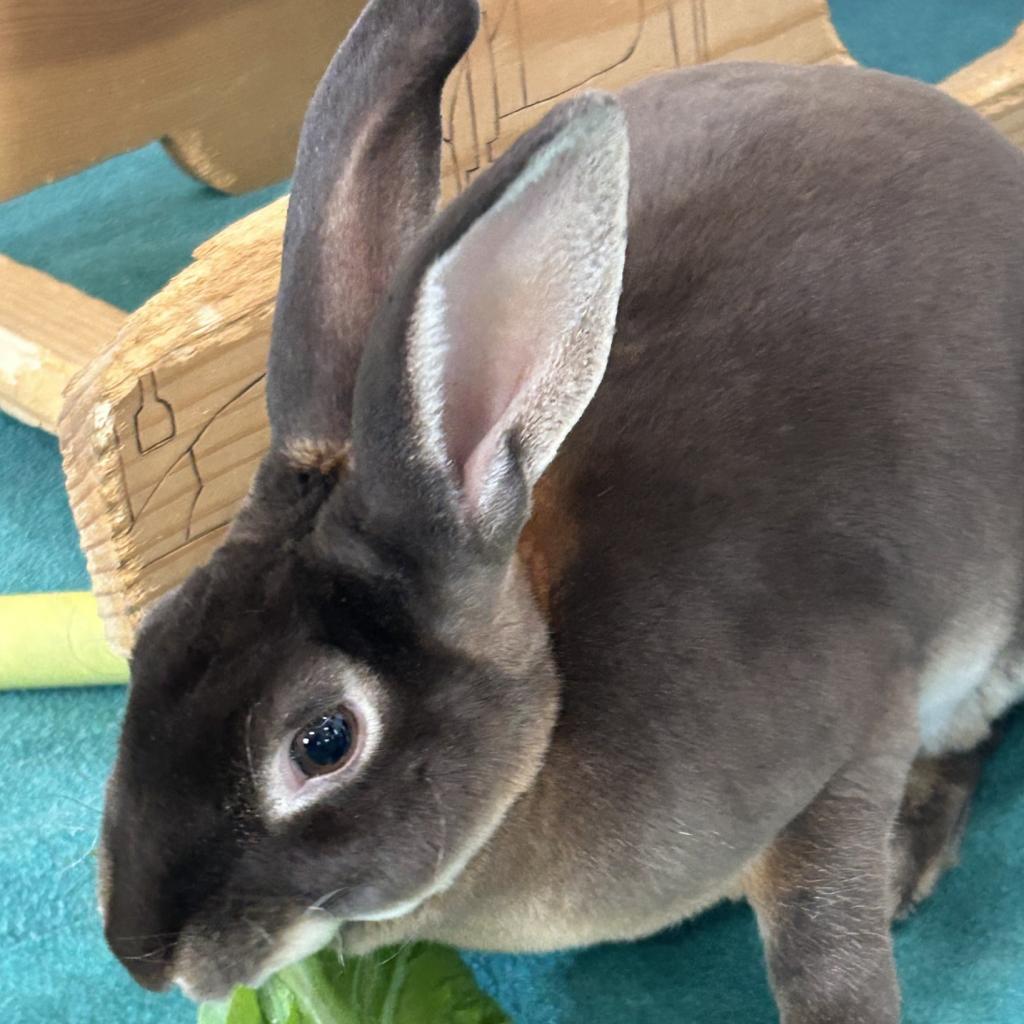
(513, 324)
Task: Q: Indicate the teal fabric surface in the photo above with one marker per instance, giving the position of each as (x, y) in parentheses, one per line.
(119, 231)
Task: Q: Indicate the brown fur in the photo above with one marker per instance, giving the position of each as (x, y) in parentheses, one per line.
(319, 455)
(927, 833)
(548, 542)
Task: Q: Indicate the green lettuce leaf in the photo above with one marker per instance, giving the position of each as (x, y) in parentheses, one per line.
(417, 984)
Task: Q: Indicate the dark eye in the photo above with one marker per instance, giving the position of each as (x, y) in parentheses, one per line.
(324, 745)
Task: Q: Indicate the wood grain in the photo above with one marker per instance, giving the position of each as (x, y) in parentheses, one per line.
(161, 435)
(531, 54)
(994, 86)
(158, 449)
(48, 332)
(224, 82)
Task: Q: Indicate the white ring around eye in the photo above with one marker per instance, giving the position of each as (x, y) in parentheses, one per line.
(283, 788)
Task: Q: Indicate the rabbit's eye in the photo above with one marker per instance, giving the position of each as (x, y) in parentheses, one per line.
(324, 745)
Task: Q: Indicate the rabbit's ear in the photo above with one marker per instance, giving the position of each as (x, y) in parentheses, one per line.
(366, 182)
(499, 330)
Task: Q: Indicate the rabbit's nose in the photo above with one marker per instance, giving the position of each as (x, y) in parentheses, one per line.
(148, 959)
(153, 975)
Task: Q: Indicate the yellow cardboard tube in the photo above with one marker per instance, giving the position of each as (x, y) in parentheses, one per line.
(54, 640)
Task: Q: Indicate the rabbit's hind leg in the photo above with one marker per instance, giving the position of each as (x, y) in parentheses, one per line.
(933, 816)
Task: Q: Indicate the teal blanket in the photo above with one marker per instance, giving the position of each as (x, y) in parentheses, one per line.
(120, 231)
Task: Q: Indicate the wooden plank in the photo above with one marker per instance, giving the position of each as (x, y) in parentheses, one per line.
(161, 435)
(531, 54)
(994, 86)
(48, 332)
(224, 82)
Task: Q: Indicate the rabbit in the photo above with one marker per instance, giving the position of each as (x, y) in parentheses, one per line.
(631, 532)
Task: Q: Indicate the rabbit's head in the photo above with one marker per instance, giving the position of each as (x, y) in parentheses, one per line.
(331, 718)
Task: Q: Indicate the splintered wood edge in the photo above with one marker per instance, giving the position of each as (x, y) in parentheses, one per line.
(171, 327)
(49, 330)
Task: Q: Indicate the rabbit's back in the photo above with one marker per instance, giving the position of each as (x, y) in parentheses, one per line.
(811, 421)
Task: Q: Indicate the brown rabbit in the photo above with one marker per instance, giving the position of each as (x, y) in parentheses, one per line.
(629, 529)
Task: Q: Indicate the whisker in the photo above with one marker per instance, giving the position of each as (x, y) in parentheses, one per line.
(442, 847)
(144, 938)
(320, 904)
(259, 930)
(81, 803)
(78, 860)
(402, 947)
(248, 744)
(152, 954)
